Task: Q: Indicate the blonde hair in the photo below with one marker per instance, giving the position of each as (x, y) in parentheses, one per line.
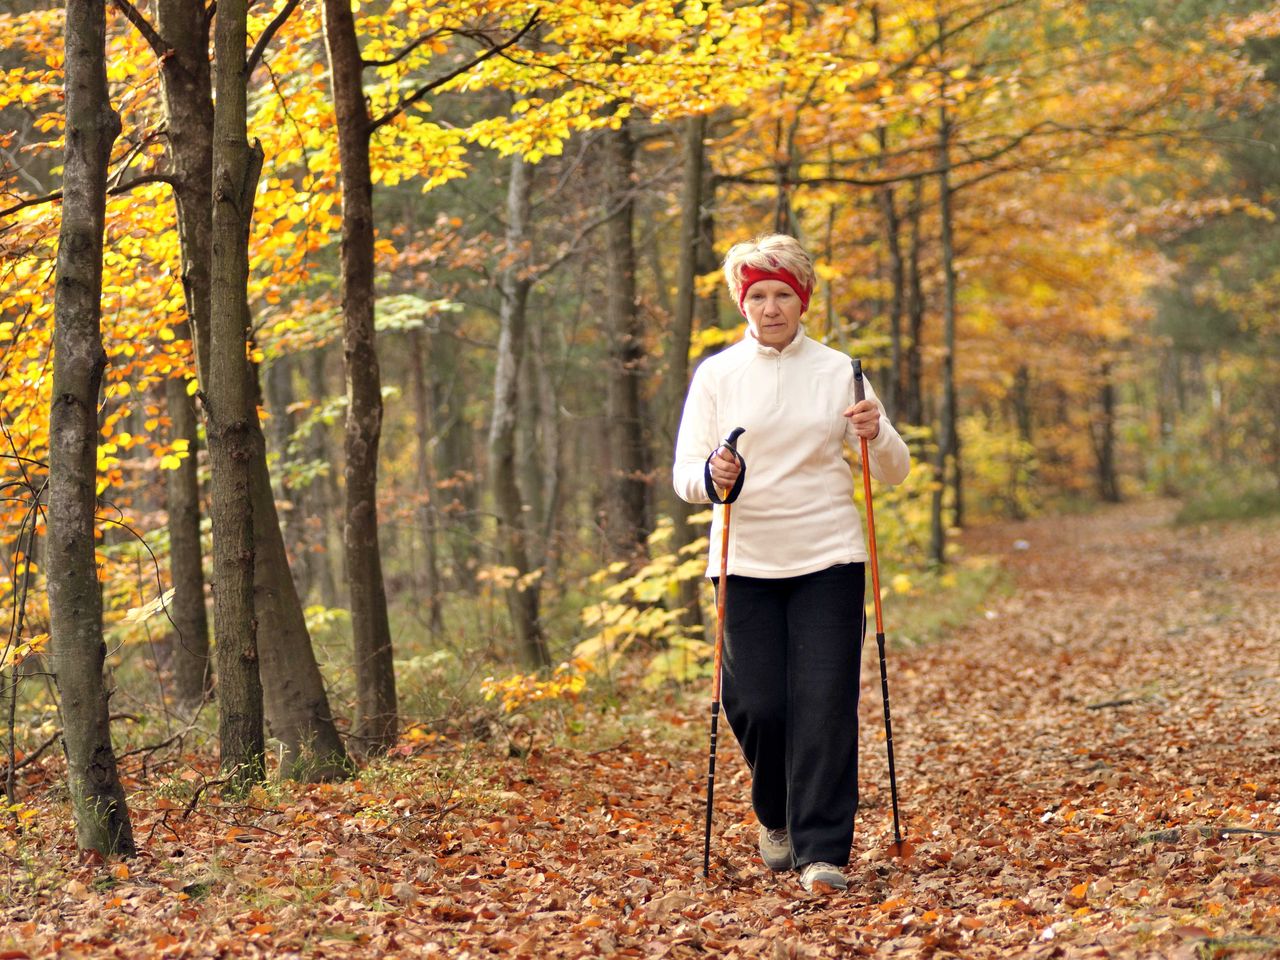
(770, 251)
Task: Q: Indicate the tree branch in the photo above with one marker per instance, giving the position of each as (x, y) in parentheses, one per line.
(441, 81)
(403, 53)
(144, 27)
(260, 47)
(117, 189)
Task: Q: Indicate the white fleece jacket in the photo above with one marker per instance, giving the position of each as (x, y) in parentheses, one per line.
(796, 513)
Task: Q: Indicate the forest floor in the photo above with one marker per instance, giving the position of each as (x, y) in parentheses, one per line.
(1090, 768)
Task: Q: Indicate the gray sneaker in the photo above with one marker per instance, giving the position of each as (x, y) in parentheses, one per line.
(775, 849)
(822, 873)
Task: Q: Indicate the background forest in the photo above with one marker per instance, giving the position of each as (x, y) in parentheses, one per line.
(482, 261)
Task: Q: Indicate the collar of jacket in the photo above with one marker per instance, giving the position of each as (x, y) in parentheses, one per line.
(791, 347)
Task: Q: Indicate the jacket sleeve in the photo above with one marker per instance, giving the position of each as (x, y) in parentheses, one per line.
(696, 439)
(888, 452)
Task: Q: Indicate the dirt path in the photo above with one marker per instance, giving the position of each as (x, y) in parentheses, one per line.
(1081, 769)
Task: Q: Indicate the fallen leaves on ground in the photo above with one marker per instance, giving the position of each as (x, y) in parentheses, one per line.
(1090, 769)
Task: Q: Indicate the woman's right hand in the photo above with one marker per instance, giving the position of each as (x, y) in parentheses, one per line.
(725, 469)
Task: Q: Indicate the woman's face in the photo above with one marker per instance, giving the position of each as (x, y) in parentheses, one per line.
(773, 312)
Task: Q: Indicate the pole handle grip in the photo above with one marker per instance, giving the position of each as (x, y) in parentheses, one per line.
(859, 385)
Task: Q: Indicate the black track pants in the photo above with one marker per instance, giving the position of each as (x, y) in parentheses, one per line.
(790, 691)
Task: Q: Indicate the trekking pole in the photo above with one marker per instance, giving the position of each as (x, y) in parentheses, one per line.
(726, 500)
(859, 394)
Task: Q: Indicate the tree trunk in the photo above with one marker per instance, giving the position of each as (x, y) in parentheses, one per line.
(677, 379)
(424, 412)
(895, 382)
(296, 704)
(897, 279)
(948, 441)
(278, 395)
(321, 494)
(75, 596)
(523, 596)
(627, 521)
(912, 394)
(228, 408)
(189, 656)
(188, 101)
(550, 452)
(1103, 433)
(375, 723)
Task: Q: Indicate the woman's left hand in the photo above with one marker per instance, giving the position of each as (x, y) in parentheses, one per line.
(865, 417)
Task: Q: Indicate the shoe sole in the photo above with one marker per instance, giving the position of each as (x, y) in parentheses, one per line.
(777, 866)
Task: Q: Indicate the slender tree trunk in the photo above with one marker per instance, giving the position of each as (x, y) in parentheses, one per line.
(522, 597)
(1103, 432)
(424, 411)
(897, 280)
(75, 597)
(678, 344)
(550, 452)
(236, 167)
(913, 393)
(321, 495)
(189, 658)
(375, 727)
(895, 382)
(948, 440)
(627, 520)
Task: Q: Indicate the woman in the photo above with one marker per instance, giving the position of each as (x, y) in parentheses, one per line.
(794, 608)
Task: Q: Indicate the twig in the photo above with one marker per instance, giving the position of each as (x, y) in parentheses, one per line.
(451, 75)
(1127, 701)
(195, 797)
(1176, 833)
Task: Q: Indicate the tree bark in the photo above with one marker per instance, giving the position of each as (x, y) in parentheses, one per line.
(376, 715)
(189, 657)
(236, 167)
(627, 521)
(75, 596)
(522, 596)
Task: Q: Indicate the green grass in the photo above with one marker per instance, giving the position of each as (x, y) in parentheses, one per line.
(1220, 504)
(939, 603)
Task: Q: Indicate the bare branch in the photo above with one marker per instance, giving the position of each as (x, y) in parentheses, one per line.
(392, 61)
(441, 81)
(260, 47)
(144, 27)
(117, 189)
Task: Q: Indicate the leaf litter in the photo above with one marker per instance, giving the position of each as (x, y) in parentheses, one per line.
(1089, 769)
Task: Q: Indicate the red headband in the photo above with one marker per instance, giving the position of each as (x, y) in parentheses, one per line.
(752, 275)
